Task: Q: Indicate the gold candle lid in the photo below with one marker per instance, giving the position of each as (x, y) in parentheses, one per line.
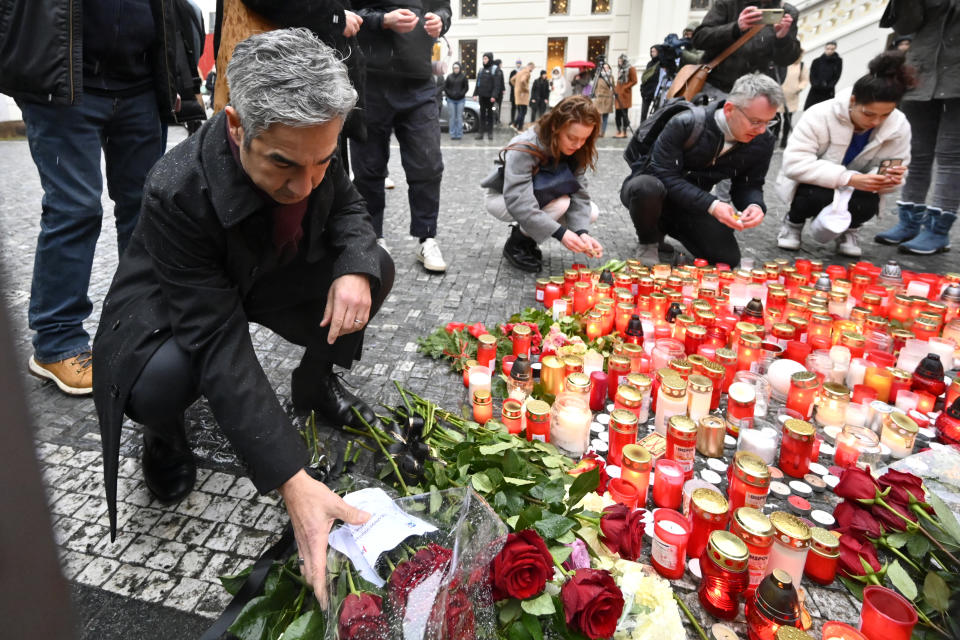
(729, 356)
(750, 468)
(900, 374)
(824, 542)
(754, 525)
(638, 381)
(538, 408)
(799, 428)
(573, 362)
(578, 381)
(470, 363)
(682, 425)
(550, 362)
(571, 273)
(625, 306)
(620, 361)
(636, 457)
(522, 329)
(750, 340)
(512, 409)
(804, 380)
(709, 501)
(674, 386)
(835, 391)
(488, 338)
(482, 397)
(785, 328)
(700, 384)
(696, 330)
(681, 366)
(623, 421)
(629, 395)
(727, 550)
(838, 296)
(792, 633)
(556, 279)
(543, 281)
(790, 530)
(715, 368)
(901, 423)
(852, 338)
(697, 360)
(632, 350)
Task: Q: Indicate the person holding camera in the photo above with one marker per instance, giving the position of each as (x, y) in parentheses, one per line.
(776, 44)
(838, 142)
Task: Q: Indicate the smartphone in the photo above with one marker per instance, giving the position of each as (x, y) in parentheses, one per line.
(887, 163)
(771, 16)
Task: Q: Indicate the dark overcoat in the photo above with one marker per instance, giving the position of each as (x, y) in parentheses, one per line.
(203, 241)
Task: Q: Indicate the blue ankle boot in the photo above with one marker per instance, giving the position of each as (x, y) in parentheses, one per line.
(911, 219)
(935, 235)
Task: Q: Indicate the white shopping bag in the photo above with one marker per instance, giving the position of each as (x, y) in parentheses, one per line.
(834, 218)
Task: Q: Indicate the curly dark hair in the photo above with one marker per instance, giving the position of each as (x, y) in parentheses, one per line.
(577, 109)
(890, 77)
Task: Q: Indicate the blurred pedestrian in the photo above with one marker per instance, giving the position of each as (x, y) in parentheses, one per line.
(488, 86)
(933, 109)
(520, 88)
(558, 87)
(603, 95)
(498, 71)
(623, 98)
(539, 96)
(825, 73)
(840, 143)
(795, 81)
(649, 82)
(513, 103)
(455, 86)
(560, 148)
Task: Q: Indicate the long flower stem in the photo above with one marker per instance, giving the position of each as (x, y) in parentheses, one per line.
(693, 621)
(396, 471)
(353, 588)
(562, 570)
(900, 555)
(920, 511)
(910, 523)
(296, 577)
(927, 621)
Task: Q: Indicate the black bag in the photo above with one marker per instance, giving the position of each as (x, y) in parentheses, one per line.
(550, 181)
(649, 130)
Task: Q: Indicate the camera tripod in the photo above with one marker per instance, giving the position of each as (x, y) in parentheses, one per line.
(599, 75)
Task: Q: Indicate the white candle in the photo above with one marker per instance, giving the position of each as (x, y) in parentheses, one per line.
(918, 288)
(907, 400)
(559, 309)
(856, 415)
(762, 442)
(592, 361)
(479, 378)
(671, 527)
(570, 431)
(840, 357)
(856, 372)
(943, 347)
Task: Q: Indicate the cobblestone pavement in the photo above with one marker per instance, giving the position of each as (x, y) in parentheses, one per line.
(171, 555)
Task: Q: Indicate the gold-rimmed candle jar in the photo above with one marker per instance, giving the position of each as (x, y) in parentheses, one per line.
(791, 542)
(552, 374)
(796, 447)
(623, 432)
(822, 559)
(832, 405)
(635, 465)
(710, 434)
(749, 481)
(899, 432)
(682, 443)
(754, 528)
(578, 382)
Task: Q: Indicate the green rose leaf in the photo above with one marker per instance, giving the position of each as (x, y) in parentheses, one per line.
(517, 631)
(856, 588)
(481, 483)
(553, 526)
(567, 538)
(510, 611)
(918, 545)
(902, 580)
(584, 484)
(542, 605)
(518, 482)
(551, 492)
(532, 624)
(560, 553)
(493, 449)
(308, 626)
(897, 540)
(947, 519)
(936, 592)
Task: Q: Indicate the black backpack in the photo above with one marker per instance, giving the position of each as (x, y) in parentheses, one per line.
(649, 130)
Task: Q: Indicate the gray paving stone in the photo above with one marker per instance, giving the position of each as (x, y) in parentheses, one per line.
(166, 556)
(193, 561)
(220, 508)
(97, 572)
(224, 537)
(218, 483)
(141, 549)
(128, 580)
(186, 594)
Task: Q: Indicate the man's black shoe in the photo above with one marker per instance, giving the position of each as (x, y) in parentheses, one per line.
(323, 392)
(168, 466)
(519, 251)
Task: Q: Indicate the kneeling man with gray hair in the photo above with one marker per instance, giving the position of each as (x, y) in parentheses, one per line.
(250, 220)
(668, 190)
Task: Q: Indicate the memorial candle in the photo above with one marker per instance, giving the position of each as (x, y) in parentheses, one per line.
(668, 551)
(635, 469)
(899, 432)
(623, 432)
(487, 351)
(551, 293)
(668, 484)
(521, 337)
(482, 406)
(724, 565)
(511, 415)
(802, 393)
(741, 399)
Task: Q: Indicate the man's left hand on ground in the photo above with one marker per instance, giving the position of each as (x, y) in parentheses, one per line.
(348, 306)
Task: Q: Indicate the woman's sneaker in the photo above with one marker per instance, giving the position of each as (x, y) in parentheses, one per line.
(789, 236)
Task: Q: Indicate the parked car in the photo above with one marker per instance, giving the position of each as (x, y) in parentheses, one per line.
(471, 115)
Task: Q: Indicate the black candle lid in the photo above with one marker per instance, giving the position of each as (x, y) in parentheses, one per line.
(931, 367)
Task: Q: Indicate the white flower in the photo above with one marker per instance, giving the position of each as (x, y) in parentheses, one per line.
(650, 612)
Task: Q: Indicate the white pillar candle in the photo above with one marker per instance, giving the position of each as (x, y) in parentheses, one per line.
(918, 288)
(907, 400)
(856, 372)
(559, 309)
(943, 347)
(479, 378)
(840, 357)
(571, 429)
(592, 361)
(856, 414)
(762, 442)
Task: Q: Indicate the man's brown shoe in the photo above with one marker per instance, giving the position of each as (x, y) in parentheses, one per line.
(74, 376)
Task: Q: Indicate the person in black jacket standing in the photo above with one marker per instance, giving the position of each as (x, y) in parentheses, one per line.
(455, 87)
(489, 85)
(397, 39)
(824, 75)
(539, 96)
(695, 150)
(88, 82)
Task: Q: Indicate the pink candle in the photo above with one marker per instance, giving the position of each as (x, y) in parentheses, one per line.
(668, 484)
(598, 391)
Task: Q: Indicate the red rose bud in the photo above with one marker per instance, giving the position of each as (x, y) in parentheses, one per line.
(477, 329)
(454, 326)
(891, 521)
(592, 603)
(853, 519)
(857, 484)
(522, 567)
(361, 618)
(412, 572)
(904, 481)
(851, 550)
(622, 530)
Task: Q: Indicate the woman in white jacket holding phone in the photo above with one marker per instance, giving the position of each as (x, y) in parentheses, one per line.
(858, 139)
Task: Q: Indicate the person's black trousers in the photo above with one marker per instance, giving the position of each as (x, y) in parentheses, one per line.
(810, 199)
(787, 127)
(703, 235)
(623, 121)
(645, 108)
(816, 95)
(521, 116)
(289, 301)
(486, 116)
(408, 109)
(537, 109)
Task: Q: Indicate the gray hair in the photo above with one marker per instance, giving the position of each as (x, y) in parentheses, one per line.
(288, 77)
(755, 85)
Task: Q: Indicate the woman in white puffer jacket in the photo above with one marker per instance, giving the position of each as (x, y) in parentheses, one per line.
(839, 143)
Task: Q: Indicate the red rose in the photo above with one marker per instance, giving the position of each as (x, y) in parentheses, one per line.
(623, 530)
(588, 462)
(454, 326)
(361, 618)
(592, 603)
(857, 484)
(906, 482)
(477, 329)
(412, 572)
(853, 519)
(459, 621)
(852, 549)
(891, 521)
(522, 567)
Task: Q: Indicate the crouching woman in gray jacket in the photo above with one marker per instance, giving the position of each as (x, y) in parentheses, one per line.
(539, 184)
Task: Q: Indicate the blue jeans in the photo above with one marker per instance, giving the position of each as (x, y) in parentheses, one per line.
(935, 128)
(66, 142)
(456, 118)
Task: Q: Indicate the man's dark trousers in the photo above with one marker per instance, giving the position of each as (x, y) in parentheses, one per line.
(407, 108)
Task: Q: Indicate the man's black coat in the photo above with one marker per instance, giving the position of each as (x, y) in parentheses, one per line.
(203, 242)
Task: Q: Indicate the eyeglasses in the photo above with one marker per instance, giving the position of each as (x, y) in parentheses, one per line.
(756, 124)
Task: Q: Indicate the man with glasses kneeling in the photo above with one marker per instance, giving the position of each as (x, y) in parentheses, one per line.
(668, 191)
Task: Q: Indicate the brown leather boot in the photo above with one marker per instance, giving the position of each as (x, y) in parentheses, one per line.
(73, 376)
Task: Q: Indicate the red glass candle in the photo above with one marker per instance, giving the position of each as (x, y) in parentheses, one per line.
(749, 350)
(635, 468)
(594, 325)
(570, 278)
(749, 481)
(928, 376)
(668, 549)
(466, 371)
(623, 492)
(795, 448)
(841, 631)
(693, 338)
(862, 394)
(797, 351)
(754, 528)
(821, 564)
(724, 566)
(506, 364)
(538, 421)
(775, 605)
(511, 414)
(741, 399)
(668, 484)
(802, 393)
(624, 312)
(708, 512)
(623, 431)
(628, 398)
(727, 358)
(487, 351)
(482, 406)
(886, 615)
(521, 337)
(541, 289)
(552, 291)
(598, 390)
(581, 296)
(681, 443)
(617, 368)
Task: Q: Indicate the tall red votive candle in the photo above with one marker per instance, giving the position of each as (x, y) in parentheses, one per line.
(668, 484)
(671, 530)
